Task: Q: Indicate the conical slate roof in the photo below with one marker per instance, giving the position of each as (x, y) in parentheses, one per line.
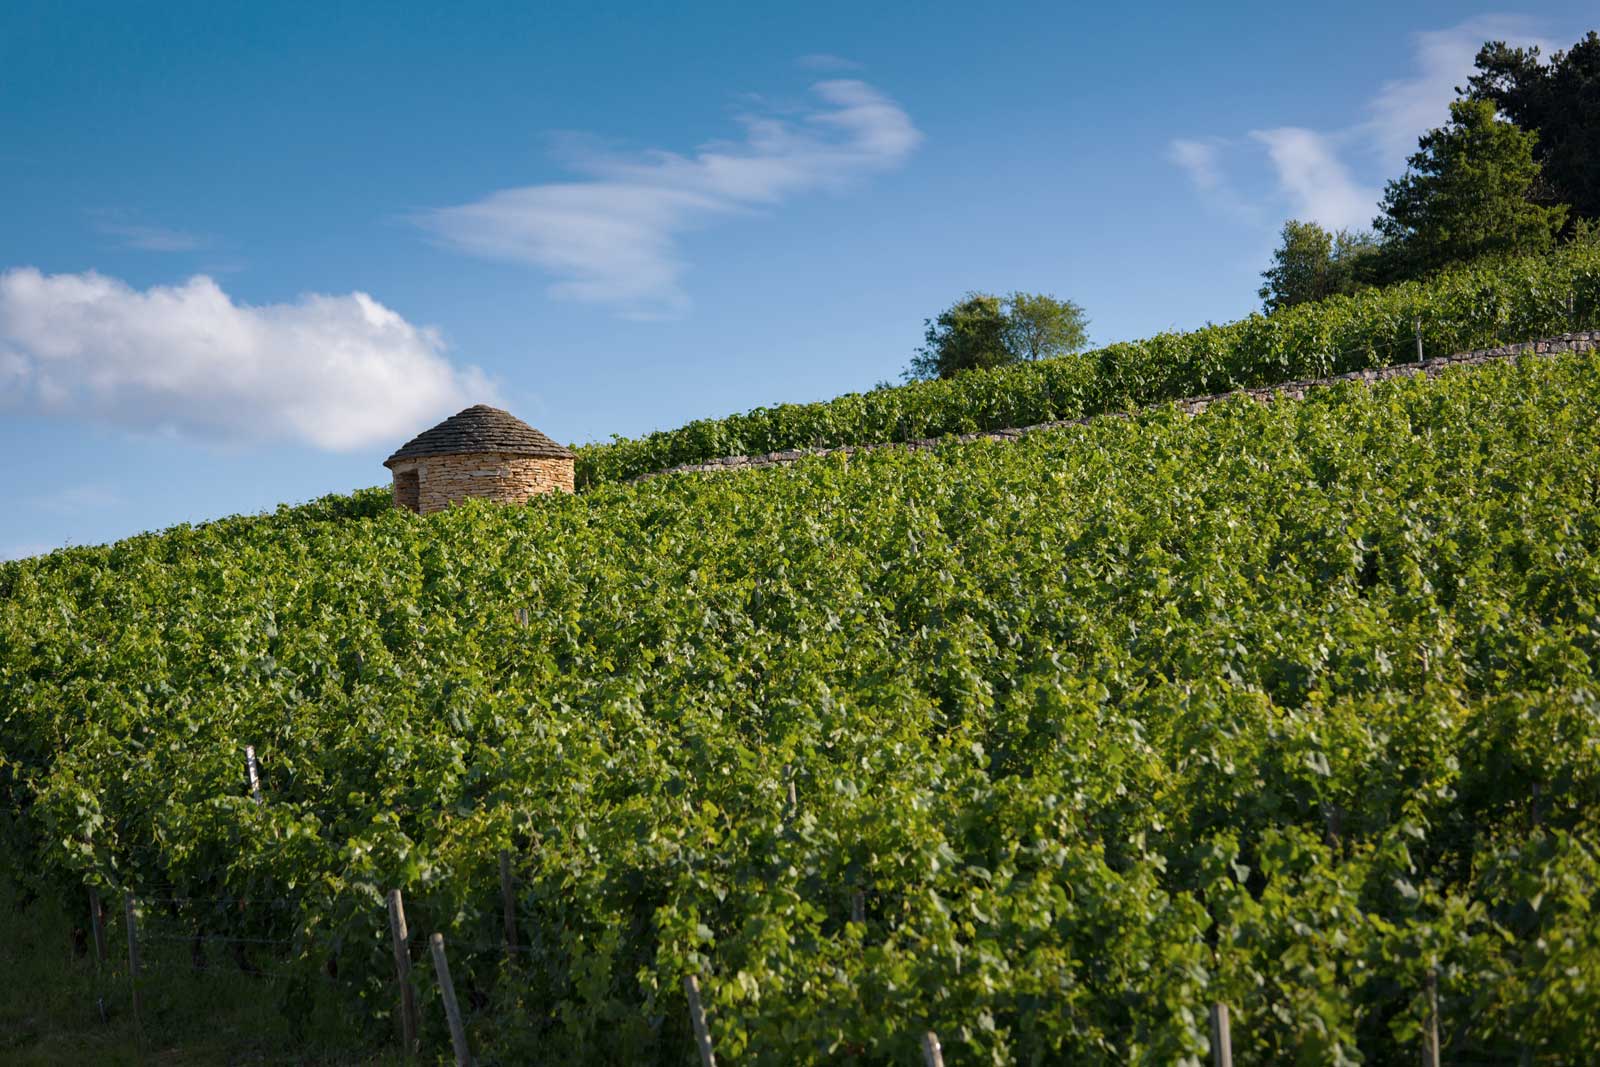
(480, 428)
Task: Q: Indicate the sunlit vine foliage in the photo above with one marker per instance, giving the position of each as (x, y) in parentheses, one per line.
(1281, 705)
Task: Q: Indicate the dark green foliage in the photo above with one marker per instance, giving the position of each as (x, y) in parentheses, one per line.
(983, 331)
(1281, 705)
(1559, 101)
(968, 335)
(1312, 264)
(1468, 307)
(1472, 189)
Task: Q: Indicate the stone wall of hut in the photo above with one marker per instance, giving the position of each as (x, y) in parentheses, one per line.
(445, 480)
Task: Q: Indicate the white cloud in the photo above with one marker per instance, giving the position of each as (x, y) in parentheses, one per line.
(1318, 186)
(1335, 177)
(612, 239)
(336, 372)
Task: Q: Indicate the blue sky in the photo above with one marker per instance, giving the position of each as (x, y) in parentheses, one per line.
(246, 250)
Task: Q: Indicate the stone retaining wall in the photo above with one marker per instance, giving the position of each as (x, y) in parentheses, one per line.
(508, 479)
(1568, 342)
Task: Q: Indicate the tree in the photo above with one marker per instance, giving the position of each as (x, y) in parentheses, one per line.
(1467, 192)
(983, 330)
(1312, 264)
(1042, 327)
(971, 333)
(1560, 101)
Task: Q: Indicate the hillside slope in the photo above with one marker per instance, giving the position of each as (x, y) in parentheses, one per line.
(1280, 706)
(1482, 305)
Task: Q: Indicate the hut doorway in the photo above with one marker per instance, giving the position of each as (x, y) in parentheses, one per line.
(408, 490)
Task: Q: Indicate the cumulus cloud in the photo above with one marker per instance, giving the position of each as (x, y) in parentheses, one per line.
(336, 372)
(612, 238)
(1334, 177)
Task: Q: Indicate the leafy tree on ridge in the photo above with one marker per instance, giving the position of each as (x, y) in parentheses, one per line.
(1312, 263)
(983, 330)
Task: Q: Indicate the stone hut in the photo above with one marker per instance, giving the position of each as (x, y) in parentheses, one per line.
(479, 452)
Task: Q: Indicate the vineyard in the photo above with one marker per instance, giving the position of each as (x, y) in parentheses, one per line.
(1476, 306)
(1046, 746)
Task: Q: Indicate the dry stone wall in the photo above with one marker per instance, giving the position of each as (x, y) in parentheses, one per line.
(509, 479)
(1569, 342)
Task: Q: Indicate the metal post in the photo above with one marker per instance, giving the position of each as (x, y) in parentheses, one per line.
(932, 1054)
(1417, 323)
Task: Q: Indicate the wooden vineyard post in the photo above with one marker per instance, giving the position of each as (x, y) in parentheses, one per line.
(97, 923)
(858, 908)
(509, 902)
(697, 1016)
(1417, 325)
(1221, 1036)
(132, 921)
(452, 1010)
(253, 772)
(932, 1054)
(1430, 1024)
(399, 936)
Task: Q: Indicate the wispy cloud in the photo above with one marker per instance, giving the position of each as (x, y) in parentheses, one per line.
(1443, 60)
(77, 500)
(612, 239)
(1200, 158)
(826, 61)
(1317, 185)
(1203, 161)
(127, 230)
(335, 372)
(152, 238)
(1335, 176)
